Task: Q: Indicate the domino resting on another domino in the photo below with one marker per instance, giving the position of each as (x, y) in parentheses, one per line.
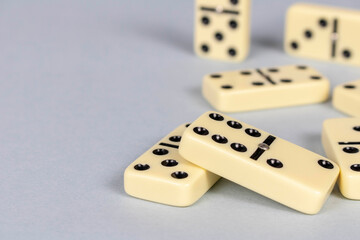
(323, 32)
(260, 161)
(162, 175)
(341, 141)
(346, 98)
(222, 29)
(265, 88)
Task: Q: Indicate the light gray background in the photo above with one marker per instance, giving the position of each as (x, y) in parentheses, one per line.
(88, 86)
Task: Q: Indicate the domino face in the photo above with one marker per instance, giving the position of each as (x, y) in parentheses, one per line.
(265, 88)
(162, 175)
(346, 98)
(222, 29)
(324, 33)
(262, 162)
(341, 141)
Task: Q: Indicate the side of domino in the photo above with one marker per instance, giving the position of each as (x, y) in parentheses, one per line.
(346, 98)
(341, 141)
(162, 175)
(259, 161)
(265, 88)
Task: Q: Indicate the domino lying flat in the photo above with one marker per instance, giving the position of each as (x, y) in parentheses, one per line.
(262, 162)
(341, 141)
(324, 33)
(162, 175)
(265, 88)
(222, 29)
(346, 98)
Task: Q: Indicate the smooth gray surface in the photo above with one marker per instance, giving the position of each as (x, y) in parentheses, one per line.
(88, 86)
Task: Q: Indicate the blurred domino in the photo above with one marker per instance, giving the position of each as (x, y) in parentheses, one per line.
(264, 88)
(222, 29)
(346, 98)
(162, 175)
(341, 141)
(260, 161)
(323, 32)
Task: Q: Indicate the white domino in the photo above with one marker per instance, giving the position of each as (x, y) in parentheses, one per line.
(265, 88)
(346, 98)
(162, 175)
(222, 29)
(262, 162)
(341, 141)
(323, 32)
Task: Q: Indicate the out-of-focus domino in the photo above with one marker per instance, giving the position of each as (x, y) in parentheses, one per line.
(264, 88)
(341, 141)
(262, 162)
(222, 29)
(323, 32)
(346, 98)
(162, 175)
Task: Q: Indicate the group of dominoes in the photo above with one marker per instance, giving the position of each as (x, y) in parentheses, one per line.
(184, 165)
